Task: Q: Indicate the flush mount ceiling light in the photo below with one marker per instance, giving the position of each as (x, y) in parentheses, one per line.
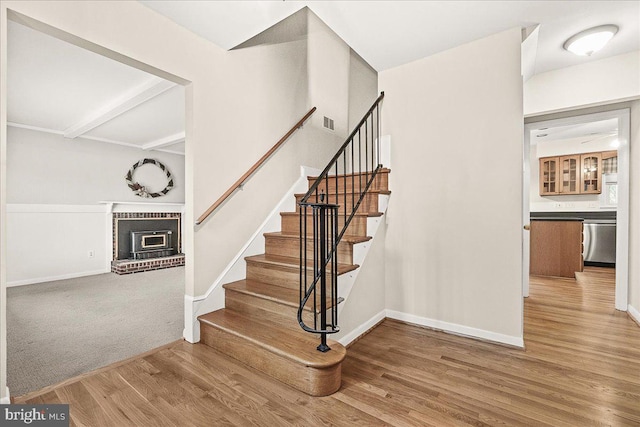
(592, 40)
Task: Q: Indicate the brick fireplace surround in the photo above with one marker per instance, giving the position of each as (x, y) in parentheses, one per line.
(128, 266)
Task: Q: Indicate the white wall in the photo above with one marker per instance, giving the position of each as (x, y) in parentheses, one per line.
(363, 88)
(453, 259)
(328, 63)
(367, 299)
(52, 242)
(50, 169)
(593, 83)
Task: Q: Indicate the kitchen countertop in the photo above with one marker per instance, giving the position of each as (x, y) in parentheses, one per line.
(557, 219)
(604, 214)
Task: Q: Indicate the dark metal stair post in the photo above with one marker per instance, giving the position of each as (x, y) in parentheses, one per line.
(323, 347)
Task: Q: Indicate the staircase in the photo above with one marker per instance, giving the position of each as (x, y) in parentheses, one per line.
(265, 314)
(258, 324)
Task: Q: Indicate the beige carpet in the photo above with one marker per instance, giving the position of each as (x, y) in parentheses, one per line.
(61, 329)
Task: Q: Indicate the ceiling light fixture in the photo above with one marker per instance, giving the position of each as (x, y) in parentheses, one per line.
(586, 42)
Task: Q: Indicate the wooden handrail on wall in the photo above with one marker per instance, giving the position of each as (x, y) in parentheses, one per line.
(253, 168)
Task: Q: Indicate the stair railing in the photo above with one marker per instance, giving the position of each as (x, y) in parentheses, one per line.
(240, 182)
(326, 211)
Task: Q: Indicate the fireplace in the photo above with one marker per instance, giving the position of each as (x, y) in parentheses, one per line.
(151, 244)
(146, 241)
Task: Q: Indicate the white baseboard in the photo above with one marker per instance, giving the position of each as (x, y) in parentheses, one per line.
(357, 332)
(54, 278)
(456, 329)
(191, 331)
(635, 314)
(6, 400)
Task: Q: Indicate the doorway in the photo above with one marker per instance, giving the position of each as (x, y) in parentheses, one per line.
(608, 130)
(62, 193)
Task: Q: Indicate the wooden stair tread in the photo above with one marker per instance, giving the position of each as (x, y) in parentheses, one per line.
(367, 214)
(284, 261)
(296, 346)
(342, 193)
(382, 170)
(285, 296)
(345, 238)
(297, 214)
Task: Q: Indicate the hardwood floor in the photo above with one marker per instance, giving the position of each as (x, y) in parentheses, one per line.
(581, 367)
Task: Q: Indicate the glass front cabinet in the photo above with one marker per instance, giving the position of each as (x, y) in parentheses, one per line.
(591, 173)
(574, 174)
(569, 175)
(548, 176)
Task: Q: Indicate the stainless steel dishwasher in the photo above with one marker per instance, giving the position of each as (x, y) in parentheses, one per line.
(599, 241)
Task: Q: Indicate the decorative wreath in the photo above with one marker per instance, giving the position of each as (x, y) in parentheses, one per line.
(141, 190)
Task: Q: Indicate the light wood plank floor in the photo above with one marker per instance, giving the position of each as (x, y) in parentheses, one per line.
(581, 367)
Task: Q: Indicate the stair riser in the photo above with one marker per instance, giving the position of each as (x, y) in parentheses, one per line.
(276, 245)
(369, 203)
(286, 277)
(357, 227)
(268, 309)
(313, 381)
(381, 183)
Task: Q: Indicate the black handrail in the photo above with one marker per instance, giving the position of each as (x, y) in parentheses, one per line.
(346, 171)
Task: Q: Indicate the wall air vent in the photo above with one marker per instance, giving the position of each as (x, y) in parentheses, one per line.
(328, 123)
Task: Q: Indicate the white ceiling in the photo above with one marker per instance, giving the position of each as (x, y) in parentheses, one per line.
(60, 88)
(579, 133)
(391, 33)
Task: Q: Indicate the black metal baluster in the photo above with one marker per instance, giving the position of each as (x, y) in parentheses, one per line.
(366, 153)
(344, 181)
(334, 275)
(303, 255)
(315, 265)
(337, 198)
(378, 134)
(359, 159)
(353, 176)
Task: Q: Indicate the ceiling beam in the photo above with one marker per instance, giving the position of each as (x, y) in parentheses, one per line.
(123, 103)
(164, 142)
(61, 133)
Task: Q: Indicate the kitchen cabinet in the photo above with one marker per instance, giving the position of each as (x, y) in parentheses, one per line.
(548, 176)
(569, 174)
(591, 173)
(574, 174)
